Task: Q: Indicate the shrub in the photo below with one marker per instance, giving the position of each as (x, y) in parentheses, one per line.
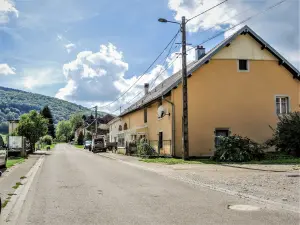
(80, 138)
(238, 149)
(144, 149)
(47, 139)
(287, 134)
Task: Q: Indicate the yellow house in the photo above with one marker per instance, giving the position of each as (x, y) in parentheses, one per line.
(238, 87)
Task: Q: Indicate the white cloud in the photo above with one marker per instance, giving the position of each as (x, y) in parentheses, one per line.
(40, 77)
(7, 7)
(70, 47)
(99, 78)
(6, 69)
(190, 8)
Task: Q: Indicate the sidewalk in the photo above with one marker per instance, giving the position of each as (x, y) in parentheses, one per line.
(12, 175)
(268, 183)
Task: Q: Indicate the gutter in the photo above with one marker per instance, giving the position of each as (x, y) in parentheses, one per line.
(173, 125)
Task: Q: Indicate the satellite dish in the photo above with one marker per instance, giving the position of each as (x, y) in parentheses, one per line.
(160, 111)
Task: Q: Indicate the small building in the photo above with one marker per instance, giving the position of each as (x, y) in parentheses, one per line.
(240, 86)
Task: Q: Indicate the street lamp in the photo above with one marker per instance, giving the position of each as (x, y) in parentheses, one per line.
(185, 125)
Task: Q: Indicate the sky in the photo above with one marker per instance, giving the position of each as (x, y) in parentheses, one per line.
(91, 52)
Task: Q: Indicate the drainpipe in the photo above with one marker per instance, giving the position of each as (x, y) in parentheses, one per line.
(173, 125)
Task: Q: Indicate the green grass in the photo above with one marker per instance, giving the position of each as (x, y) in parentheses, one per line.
(13, 161)
(172, 161)
(23, 177)
(17, 185)
(5, 203)
(270, 159)
(79, 146)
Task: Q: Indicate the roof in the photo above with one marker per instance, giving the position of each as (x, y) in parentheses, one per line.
(173, 81)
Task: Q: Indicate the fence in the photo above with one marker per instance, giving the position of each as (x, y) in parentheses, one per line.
(166, 147)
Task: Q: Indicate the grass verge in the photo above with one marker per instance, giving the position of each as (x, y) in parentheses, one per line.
(4, 204)
(79, 146)
(13, 161)
(270, 159)
(17, 185)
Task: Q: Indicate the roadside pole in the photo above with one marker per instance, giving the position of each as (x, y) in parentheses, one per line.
(96, 122)
(185, 125)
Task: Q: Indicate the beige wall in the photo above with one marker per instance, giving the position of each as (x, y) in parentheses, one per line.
(221, 97)
(135, 122)
(244, 47)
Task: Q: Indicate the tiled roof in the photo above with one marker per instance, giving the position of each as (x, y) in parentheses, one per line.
(171, 82)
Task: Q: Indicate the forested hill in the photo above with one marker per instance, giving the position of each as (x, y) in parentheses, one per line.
(14, 103)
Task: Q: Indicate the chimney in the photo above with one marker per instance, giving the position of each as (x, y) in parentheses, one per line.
(146, 88)
(200, 52)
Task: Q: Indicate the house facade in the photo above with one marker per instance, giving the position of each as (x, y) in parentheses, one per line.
(238, 87)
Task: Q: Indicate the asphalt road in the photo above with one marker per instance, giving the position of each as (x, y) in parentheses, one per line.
(79, 188)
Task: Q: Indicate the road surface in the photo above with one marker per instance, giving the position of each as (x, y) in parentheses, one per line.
(79, 188)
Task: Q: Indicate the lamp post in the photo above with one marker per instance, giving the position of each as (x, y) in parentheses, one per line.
(185, 126)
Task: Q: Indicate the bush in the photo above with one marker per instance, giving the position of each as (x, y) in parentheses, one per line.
(287, 134)
(47, 139)
(238, 149)
(80, 138)
(144, 149)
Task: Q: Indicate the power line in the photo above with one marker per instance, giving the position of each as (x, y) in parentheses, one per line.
(143, 73)
(206, 10)
(170, 64)
(245, 20)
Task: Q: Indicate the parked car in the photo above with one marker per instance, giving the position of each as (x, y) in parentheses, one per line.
(98, 145)
(87, 145)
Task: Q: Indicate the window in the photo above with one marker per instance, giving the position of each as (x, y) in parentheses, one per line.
(125, 126)
(219, 133)
(282, 105)
(120, 127)
(145, 115)
(160, 140)
(243, 65)
(121, 140)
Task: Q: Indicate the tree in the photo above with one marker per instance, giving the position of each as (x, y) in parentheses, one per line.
(46, 113)
(76, 121)
(32, 125)
(64, 130)
(88, 136)
(80, 138)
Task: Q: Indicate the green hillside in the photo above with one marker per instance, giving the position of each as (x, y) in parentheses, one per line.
(14, 103)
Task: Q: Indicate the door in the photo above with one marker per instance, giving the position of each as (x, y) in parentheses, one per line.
(160, 141)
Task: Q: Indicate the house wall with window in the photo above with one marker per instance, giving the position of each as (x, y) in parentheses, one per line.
(221, 97)
(161, 125)
(145, 121)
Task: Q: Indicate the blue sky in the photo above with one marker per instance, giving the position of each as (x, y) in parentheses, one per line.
(91, 51)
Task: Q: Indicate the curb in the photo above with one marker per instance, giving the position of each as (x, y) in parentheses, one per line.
(12, 210)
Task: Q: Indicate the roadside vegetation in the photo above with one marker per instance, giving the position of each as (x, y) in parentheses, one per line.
(79, 146)
(13, 161)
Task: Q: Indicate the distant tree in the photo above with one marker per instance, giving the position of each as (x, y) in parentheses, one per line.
(46, 113)
(32, 125)
(84, 117)
(88, 136)
(76, 121)
(64, 130)
(80, 138)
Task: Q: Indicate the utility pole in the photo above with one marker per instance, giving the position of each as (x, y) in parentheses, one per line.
(120, 109)
(96, 121)
(185, 125)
